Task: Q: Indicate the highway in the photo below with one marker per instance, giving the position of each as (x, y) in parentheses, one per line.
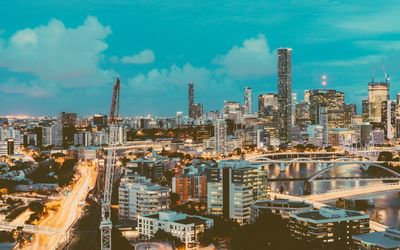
(69, 211)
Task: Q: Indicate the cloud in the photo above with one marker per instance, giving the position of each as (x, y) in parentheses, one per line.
(158, 79)
(381, 21)
(29, 88)
(250, 60)
(143, 57)
(379, 45)
(68, 57)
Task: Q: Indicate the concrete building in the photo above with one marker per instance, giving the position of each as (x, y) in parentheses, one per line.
(138, 196)
(284, 94)
(389, 118)
(387, 240)
(231, 188)
(284, 207)
(220, 135)
(190, 183)
(233, 111)
(365, 110)
(185, 227)
(268, 108)
(302, 115)
(378, 92)
(329, 227)
(248, 101)
(333, 101)
(323, 121)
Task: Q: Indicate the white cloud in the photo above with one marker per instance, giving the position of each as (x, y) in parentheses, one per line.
(143, 57)
(252, 59)
(54, 53)
(30, 88)
(157, 79)
(379, 45)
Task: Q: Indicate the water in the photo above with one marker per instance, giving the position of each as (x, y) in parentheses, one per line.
(387, 205)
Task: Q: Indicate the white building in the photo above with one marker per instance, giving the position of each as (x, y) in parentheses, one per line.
(248, 101)
(185, 227)
(220, 134)
(231, 188)
(138, 196)
(87, 153)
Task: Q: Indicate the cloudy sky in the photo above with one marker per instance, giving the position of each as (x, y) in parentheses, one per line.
(64, 55)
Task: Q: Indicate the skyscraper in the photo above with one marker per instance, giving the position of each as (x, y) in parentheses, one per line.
(248, 101)
(378, 92)
(323, 121)
(284, 93)
(220, 135)
(191, 108)
(333, 100)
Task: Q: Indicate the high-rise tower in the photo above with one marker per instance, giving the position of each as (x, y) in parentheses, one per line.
(284, 93)
(248, 101)
(191, 108)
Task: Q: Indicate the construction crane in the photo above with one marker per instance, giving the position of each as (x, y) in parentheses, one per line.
(106, 223)
(387, 78)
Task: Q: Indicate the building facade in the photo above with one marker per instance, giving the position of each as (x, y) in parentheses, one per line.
(185, 227)
(378, 92)
(329, 227)
(138, 196)
(231, 188)
(284, 94)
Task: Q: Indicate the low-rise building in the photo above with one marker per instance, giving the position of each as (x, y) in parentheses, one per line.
(328, 227)
(387, 240)
(284, 207)
(190, 184)
(185, 227)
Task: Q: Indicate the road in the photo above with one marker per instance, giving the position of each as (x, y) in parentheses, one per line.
(69, 211)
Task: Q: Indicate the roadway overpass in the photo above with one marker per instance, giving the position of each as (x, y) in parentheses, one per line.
(318, 204)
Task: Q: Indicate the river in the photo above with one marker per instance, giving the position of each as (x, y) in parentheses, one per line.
(387, 205)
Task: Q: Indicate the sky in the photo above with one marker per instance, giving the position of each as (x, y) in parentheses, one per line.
(64, 55)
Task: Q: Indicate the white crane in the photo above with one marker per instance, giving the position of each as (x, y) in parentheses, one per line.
(106, 223)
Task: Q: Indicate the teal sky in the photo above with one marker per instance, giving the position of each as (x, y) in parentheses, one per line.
(64, 55)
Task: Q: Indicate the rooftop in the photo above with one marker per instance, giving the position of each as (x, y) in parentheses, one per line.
(329, 213)
(377, 239)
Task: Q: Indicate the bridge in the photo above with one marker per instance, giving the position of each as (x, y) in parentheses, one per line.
(291, 155)
(28, 228)
(353, 192)
(318, 199)
(336, 178)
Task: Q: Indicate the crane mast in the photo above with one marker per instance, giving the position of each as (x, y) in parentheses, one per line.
(106, 223)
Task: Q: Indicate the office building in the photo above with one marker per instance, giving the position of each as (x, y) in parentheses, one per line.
(138, 196)
(334, 102)
(231, 188)
(284, 94)
(194, 110)
(323, 121)
(99, 121)
(386, 240)
(350, 110)
(220, 135)
(389, 118)
(190, 183)
(233, 111)
(365, 134)
(268, 108)
(284, 207)
(378, 92)
(185, 227)
(294, 104)
(329, 227)
(248, 101)
(83, 138)
(365, 110)
(9, 147)
(68, 119)
(152, 167)
(302, 115)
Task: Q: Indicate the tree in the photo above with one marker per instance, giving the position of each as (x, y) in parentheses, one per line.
(165, 236)
(385, 156)
(36, 207)
(174, 198)
(206, 238)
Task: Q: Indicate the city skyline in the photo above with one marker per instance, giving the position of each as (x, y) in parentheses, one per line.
(156, 62)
